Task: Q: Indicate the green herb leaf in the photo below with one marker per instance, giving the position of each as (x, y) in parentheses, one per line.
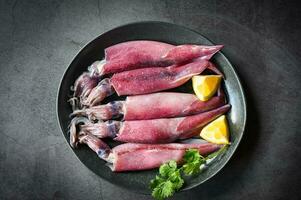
(172, 164)
(168, 168)
(176, 179)
(163, 190)
(193, 162)
(191, 155)
(167, 189)
(170, 180)
(155, 182)
(167, 182)
(192, 168)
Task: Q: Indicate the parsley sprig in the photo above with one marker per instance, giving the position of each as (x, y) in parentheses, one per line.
(167, 182)
(170, 178)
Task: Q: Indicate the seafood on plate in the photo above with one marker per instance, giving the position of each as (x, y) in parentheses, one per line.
(133, 157)
(139, 54)
(145, 81)
(152, 106)
(82, 88)
(152, 120)
(143, 53)
(151, 131)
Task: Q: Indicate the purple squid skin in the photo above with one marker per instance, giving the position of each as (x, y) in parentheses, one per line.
(144, 53)
(154, 131)
(84, 84)
(133, 157)
(144, 81)
(152, 106)
(82, 88)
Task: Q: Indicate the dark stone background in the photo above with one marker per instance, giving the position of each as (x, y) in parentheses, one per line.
(38, 39)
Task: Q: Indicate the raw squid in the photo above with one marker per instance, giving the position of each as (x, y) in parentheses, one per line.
(141, 54)
(82, 88)
(146, 131)
(144, 81)
(134, 55)
(152, 106)
(141, 68)
(132, 157)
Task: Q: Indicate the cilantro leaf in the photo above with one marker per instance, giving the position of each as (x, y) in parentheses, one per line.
(172, 164)
(191, 168)
(155, 182)
(167, 189)
(193, 161)
(167, 168)
(164, 170)
(176, 179)
(163, 190)
(191, 155)
(170, 180)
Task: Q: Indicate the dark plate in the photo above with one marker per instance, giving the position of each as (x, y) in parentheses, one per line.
(165, 32)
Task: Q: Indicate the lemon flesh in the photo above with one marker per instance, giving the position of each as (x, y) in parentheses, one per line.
(205, 86)
(217, 131)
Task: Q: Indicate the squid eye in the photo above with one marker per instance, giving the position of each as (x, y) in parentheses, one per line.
(101, 152)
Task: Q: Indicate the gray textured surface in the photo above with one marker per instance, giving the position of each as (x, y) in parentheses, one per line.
(38, 39)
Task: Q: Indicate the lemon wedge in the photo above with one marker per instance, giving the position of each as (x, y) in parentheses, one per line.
(205, 86)
(217, 131)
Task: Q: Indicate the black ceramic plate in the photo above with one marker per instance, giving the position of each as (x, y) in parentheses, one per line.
(159, 31)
